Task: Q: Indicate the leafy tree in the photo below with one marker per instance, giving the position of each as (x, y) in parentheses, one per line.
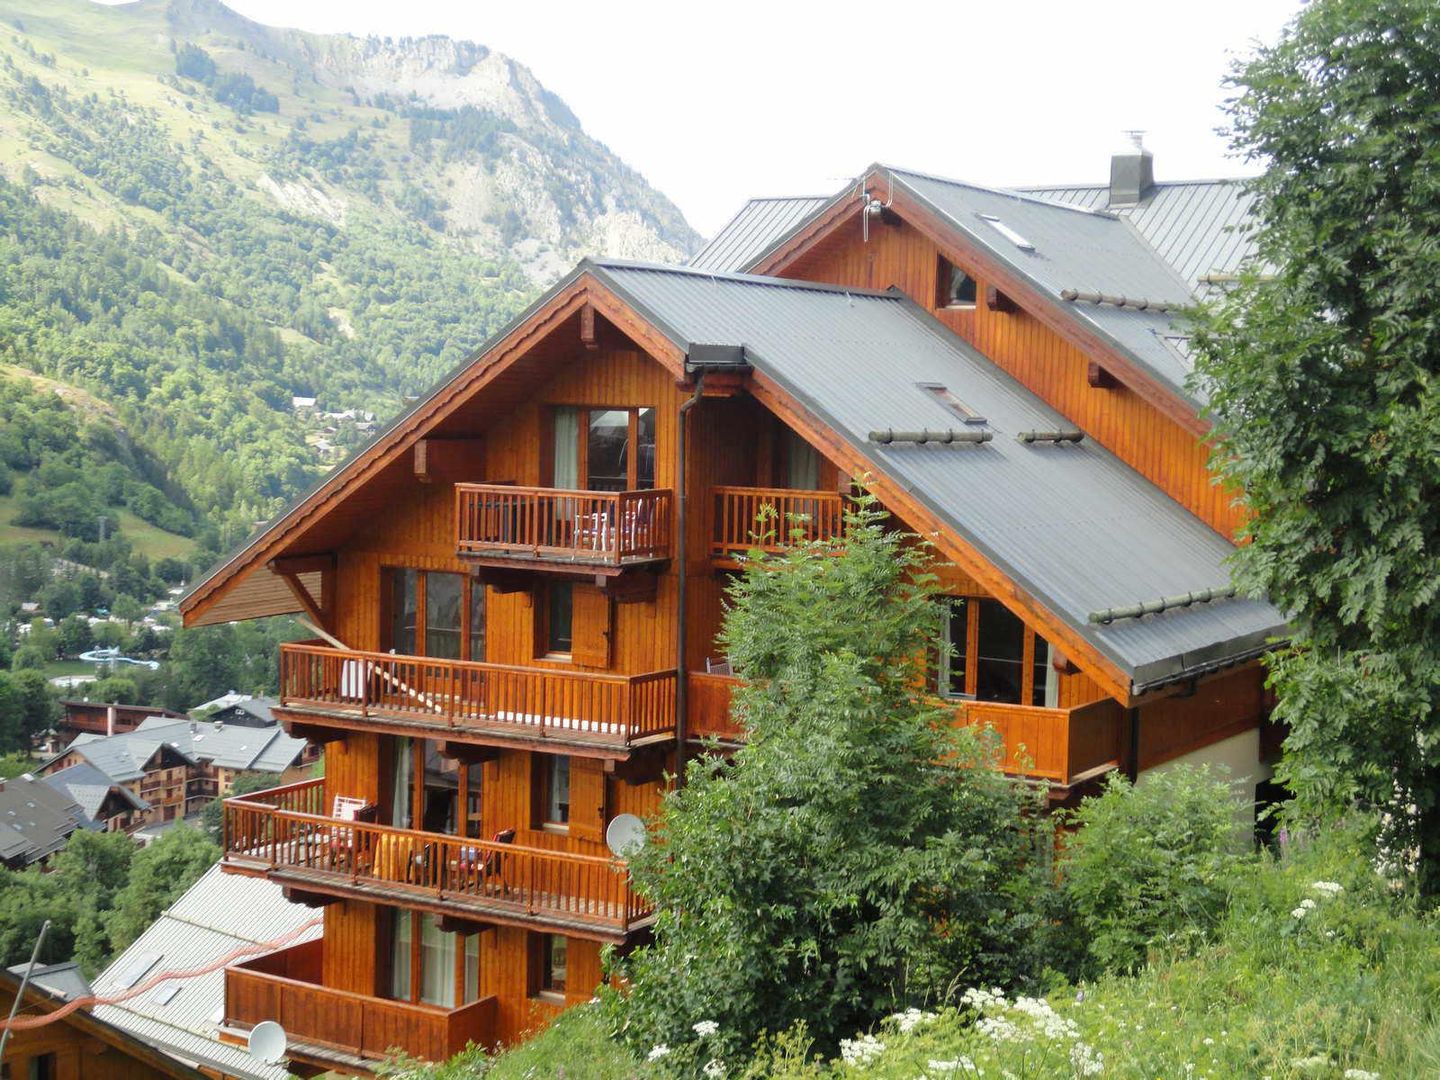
(859, 854)
(93, 867)
(1321, 370)
(159, 873)
(12, 713)
(213, 816)
(75, 635)
(60, 599)
(16, 762)
(127, 609)
(39, 703)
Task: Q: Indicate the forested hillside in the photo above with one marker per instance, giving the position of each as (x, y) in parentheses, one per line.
(201, 218)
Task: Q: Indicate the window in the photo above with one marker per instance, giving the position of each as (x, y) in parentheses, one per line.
(1007, 232)
(437, 964)
(551, 791)
(802, 463)
(441, 791)
(428, 613)
(471, 990)
(400, 988)
(42, 1067)
(953, 286)
(427, 789)
(549, 956)
(947, 398)
(423, 959)
(995, 656)
(611, 449)
(559, 618)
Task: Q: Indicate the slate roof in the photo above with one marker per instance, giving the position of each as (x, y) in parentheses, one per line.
(1071, 524)
(35, 819)
(123, 757)
(217, 915)
(750, 232)
(257, 708)
(87, 786)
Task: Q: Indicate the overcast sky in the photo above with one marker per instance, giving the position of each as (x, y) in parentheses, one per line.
(717, 101)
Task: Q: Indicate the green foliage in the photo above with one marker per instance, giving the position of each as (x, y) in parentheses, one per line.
(212, 818)
(15, 762)
(858, 854)
(210, 660)
(159, 873)
(1321, 373)
(1150, 864)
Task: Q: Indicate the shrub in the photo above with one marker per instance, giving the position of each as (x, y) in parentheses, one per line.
(1150, 863)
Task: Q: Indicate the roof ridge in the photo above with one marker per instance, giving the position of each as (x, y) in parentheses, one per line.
(741, 279)
(1013, 193)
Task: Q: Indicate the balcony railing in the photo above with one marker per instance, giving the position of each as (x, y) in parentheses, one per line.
(772, 520)
(284, 986)
(1062, 745)
(590, 528)
(477, 699)
(709, 707)
(481, 878)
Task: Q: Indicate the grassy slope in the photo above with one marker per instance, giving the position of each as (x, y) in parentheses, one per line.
(149, 540)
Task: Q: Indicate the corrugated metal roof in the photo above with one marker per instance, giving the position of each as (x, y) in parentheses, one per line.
(88, 787)
(36, 819)
(64, 980)
(123, 757)
(1071, 524)
(753, 230)
(1197, 226)
(218, 914)
(1072, 248)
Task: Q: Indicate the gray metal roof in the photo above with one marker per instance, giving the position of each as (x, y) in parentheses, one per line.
(35, 819)
(758, 225)
(1197, 226)
(218, 914)
(233, 746)
(1071, 524)
(65, 981)
(88, 786)
(1071, 248)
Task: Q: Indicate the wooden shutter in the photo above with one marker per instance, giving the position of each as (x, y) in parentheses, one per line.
(587, 799)
(590, 628)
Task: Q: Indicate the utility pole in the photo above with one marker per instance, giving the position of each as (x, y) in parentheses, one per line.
(20, 994)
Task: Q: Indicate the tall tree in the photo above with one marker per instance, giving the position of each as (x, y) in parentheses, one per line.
(1321, 369)
(858, 854)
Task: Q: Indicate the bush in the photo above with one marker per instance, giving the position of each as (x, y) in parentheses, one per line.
(1150, 863)
(858, 854)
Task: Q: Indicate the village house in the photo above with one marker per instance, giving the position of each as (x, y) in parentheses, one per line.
(104, 718)
(515, 590)
(36, 821)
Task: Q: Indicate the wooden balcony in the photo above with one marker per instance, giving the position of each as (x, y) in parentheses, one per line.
(601, 532)
(328, 1024)
(493, 704)
(1064, 746)
(477, 880)
(772, 520)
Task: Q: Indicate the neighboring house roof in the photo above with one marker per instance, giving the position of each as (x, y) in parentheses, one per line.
(1197, 226)
(124, 756)
(35, 819)
(89, 787)
(749, 233)
(1072, 525)
(217, 915)
(260, 708)
(65, 981)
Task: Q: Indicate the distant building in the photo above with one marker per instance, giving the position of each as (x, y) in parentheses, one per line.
(176, 767)
(65, 981)
(36, 821)
(242, 710)
(105, 718)
(106, 803)
(217, 915)
(297, 403)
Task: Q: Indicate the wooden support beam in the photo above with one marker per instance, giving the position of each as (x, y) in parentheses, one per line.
(470, 753)
(303, 564)
(1100, 377)
(996, 300)
(315, 733)
(646, 765)
(587, 327)
(504, 580)
(633, 588)
(422, 461)
(309, 899)
(290, 567)
(454, 924)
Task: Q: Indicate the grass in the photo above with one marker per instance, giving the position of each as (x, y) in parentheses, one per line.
(149, 540)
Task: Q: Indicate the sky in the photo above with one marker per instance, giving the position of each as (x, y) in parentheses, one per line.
(717, 102)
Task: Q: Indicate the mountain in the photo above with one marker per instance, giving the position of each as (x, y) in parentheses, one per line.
(202, 218)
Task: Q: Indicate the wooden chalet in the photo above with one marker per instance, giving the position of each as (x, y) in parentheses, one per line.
(515, 590)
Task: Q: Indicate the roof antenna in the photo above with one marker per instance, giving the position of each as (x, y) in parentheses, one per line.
(873, 207)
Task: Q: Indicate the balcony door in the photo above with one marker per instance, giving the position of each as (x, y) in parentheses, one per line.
(431, 966)
(431, 792)
(430, 613)
(603, 449)
(991, 655)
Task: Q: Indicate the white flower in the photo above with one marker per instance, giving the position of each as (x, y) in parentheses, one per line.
(962, 1062)
(1314, 1061)
(1361, 1074)
(1299, 912)
(1086, 1060)
(714, 1069)
(1328, 888)
(980, 999)
(1208, 1041)
(911, 1019)
(861, 1051)
(706, 1028)
(658, 1052)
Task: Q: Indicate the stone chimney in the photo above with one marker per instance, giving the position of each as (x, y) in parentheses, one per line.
(1132, 172)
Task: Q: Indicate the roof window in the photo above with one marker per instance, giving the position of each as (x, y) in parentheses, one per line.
(954, 288)
(945, 397)
(1007, 232)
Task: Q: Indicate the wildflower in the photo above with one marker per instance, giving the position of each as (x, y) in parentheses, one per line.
(1086, 1060)
(980, 999)
(1328, 888)
(910, 1019)
(1208, 1041)
(658, 1052)
(861, 1051)
(960, 1063)
(706, 1028)
(1299, 912)
(1361, 1074)
(714, 1069)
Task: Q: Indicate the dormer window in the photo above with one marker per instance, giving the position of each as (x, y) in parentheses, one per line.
(954, 287)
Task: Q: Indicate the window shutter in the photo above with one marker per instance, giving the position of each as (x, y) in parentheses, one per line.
(587, 799)
(590, 628)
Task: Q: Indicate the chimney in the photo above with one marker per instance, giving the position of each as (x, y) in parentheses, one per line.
(1132, 172)
(109, 719)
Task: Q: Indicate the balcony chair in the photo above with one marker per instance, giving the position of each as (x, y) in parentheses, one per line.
(480, 864)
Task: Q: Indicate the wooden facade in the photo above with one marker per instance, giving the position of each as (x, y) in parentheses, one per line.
(498, 669)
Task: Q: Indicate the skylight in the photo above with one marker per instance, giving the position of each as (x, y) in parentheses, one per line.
(165, 993)
(1007, 232)
(136, 969)
(945, 397)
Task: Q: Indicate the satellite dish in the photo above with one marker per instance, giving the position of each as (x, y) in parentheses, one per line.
(267, 1042)
(625, 834)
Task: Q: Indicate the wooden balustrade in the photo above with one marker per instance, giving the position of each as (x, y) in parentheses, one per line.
(709, 707)
(556, 887)
(284, 986)
(1052, 744)
(607, 528)
(477, 698)
(772, 519)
